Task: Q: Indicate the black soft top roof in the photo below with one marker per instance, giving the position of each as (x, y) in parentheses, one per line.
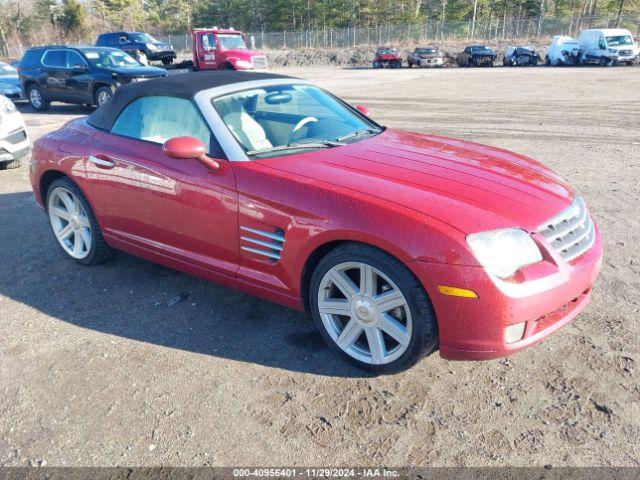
(180, 85)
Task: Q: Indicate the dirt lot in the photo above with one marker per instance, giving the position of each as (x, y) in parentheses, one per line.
(131, 364)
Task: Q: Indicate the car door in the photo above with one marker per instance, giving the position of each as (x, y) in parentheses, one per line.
(176, 208)
(54, 63)
(207, 51)
(77, 78)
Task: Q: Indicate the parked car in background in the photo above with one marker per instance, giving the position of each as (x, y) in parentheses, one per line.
(224, 49)
(563, 50)
(520, 56)
(10, 82)
(476, 56)
(141, 46)
(14, 141)
(397, 243)
(425, 57)
(84, 75)
(387, 57)
(608, 46)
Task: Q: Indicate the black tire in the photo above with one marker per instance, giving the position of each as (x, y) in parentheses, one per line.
(100, 251)
(227, 66)
(100, 93)
(424, 335)
(43, 105)
(10, 165)
(167, 61)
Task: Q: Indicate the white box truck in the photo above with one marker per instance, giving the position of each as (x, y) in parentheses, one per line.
(608, 46)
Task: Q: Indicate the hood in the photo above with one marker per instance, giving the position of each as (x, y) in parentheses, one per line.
(161, 45)
(241, 54)
(388, 56)
(141, 71)
(469, 186)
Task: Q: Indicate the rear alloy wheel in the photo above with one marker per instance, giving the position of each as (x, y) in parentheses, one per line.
(370, 307)
(103, 95)
(37, 100)
(74, 224)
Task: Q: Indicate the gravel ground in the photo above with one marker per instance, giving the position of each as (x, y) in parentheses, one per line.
(130, 363)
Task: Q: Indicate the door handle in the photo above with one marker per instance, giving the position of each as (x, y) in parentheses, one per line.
(102, 161)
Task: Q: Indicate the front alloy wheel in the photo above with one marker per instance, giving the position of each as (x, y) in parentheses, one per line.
(370, 307)
(365, 313)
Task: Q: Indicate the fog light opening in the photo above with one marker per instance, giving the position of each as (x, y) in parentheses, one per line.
(514, 333)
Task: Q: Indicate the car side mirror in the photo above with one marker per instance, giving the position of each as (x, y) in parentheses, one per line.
(363, 110)
(187, 148)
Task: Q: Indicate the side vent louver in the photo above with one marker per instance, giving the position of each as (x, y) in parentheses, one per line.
(261, 242)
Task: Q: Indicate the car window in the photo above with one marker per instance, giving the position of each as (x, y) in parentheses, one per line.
(231, 41)
(74, 59)
(55, 58)
(271, 119)
(111, 59)
(617, 40)
(208, 41)
(158, 118)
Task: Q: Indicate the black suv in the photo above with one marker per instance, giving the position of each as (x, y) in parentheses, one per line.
(138, 44)
(86, 75)
(477, 56)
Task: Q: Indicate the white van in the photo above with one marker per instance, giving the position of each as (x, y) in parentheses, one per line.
(608, 46)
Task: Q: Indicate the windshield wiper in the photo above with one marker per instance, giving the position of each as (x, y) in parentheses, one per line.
(357, 133)
(298, 146)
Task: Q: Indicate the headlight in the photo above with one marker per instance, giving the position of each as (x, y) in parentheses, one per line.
(151, 46)
(502, 252)
(244, 64)
(6, 105)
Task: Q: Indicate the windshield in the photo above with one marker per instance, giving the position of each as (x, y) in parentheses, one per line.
(110, 59)
(284, 119)
(231, 42)
(384, 51)
(142, 38)
(7, 70)
(619, 40)
(425, 51)
(479, 49)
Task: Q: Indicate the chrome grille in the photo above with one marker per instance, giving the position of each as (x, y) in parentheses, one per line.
(267, 244)
(571, 232)
(625, 52)
(259, 62)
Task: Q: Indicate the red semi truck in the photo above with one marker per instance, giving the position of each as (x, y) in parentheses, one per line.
(222, 49)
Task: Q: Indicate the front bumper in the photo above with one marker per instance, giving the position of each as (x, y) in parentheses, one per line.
(430, 62)
(161, 55)
(474, 328)
(14, 145)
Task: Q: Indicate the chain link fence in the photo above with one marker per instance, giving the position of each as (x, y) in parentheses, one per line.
(493, 29)
(431, 32)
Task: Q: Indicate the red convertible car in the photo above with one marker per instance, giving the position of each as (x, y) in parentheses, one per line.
(396, 243)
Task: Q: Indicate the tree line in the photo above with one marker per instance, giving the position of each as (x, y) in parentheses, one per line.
(43, 21)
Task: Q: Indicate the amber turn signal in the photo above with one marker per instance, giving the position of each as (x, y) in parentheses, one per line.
(457, 292)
